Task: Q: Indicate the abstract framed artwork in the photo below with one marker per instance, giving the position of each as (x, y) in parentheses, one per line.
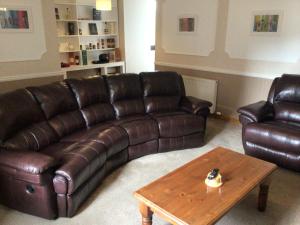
(187, 24)
(15, 19)
(266, 22)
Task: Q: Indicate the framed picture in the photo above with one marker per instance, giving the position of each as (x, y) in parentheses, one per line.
(93, 28)
(266, 22)
(187, 24)
(15, 19)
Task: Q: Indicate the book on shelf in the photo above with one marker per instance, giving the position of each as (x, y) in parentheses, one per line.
(93, 29)
(96, 14)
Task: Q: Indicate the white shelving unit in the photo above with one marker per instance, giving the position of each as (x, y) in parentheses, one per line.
(79, 14)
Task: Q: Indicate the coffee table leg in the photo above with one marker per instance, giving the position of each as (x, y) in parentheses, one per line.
(263, 195)
(146, 214)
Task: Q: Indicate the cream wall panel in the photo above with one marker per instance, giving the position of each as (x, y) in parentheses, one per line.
(49, 61)
(23, 46)
(281, 47)
(200, 43)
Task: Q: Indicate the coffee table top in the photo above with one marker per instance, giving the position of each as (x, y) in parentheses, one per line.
(181, 197)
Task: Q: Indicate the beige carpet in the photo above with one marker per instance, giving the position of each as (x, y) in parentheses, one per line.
(113, 203)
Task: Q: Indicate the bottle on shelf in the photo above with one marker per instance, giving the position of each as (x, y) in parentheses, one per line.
(77, 60)
(117, 55)
(71, 58)
(106, 28)
(111, 56)
(102, 44)
(68, 14)
(57, 14)
(84, 57)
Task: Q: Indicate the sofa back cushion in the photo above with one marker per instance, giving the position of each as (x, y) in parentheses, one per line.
(23, 125)
(287, 111)
(288, 89)
(126, 94)
(60, 107)
(93, 99)
(287, 98)
(162, 91)
(271, 94)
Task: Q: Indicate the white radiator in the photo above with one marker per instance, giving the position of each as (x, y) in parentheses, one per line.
(205, 89)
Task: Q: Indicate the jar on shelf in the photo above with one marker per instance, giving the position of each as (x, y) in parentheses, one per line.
(77, 60)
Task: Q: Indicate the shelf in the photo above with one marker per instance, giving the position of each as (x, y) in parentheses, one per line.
(69, 51)
(66, 3)
(102, 49)
(90, 35)
(68, 36)
(81, 14)
(65, 20)
(78, 4)
(87, 21)
(98, 35)
(94, 66)
(97, 21)
(90, 50)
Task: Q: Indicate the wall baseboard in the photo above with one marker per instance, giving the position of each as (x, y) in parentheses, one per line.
(226, 118)
(31, 76)
(218, 70)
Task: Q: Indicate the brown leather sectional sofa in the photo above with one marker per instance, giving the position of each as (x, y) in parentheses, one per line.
(271, 129)
(58, 141)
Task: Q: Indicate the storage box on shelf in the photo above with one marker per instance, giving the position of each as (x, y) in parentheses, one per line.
(85, 33)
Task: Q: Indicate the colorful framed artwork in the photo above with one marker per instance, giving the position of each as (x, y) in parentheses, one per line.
(266, 22)
(187, 24)
(15, 19)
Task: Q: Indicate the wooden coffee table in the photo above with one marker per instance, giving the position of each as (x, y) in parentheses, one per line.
(181, 197)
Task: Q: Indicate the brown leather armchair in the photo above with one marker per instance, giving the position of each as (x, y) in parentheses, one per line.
(271, 129)
(59, 141)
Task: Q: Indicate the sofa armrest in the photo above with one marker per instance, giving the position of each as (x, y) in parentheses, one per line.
(257, 112)
(195, 105)
(28, 162)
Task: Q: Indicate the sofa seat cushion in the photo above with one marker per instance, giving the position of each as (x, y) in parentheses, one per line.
(57, 150)
(85, 134)
(287, 111)
(141, 131)
(113, 137)
(33, 138)
(276, 135)
(162, 114)
(78, 164)
(128, 119)
(171, 125)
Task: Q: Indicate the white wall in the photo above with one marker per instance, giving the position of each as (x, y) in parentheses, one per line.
(283, 46)
(46, 65)
(237, 51)
(22, 46)
(202, 41)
